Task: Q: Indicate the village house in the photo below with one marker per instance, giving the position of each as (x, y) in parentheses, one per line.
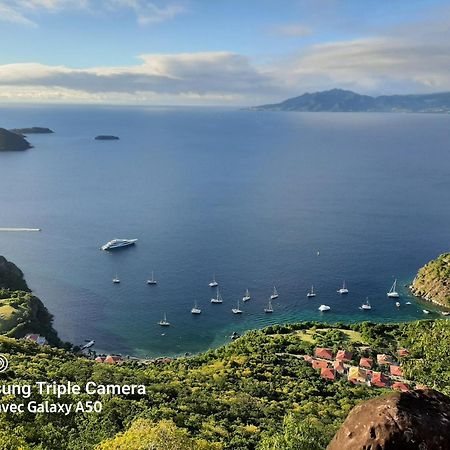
(328, 374)
(325, 353)
(316, 364)
(379, 380)
(357, 375)
(339, 367)
(383, 359)
(112, 359)
(40, 340)
(367, 363)
(343, 355)
(399, 386)
(396, 371)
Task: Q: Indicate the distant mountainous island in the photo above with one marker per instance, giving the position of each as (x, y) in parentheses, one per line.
(339, 100)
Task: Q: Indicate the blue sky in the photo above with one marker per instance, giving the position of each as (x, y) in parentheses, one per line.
(218, 51)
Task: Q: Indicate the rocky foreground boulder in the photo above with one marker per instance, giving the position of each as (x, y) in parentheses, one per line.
(418, 420)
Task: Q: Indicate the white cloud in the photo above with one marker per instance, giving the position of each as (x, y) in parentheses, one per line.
(147, 12)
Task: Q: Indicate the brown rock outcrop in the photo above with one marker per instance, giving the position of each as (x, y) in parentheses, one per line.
(418, 420)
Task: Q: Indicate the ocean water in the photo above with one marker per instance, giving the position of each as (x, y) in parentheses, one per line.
(250, 196)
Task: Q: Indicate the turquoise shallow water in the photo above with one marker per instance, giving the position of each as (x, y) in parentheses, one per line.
(250, 196)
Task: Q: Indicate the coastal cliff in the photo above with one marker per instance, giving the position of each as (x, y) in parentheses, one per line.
(21, 312)
(433, 281)
(10, 141)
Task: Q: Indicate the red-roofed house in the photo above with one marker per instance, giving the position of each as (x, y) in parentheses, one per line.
(379, 380)
(366, 363)
(397, 371)
(112, 359)
(319, 364)
(40, 340)
(327, 374)
(343, 355)
(308, 358)
(402, 352)
(99, 359)
(398, 386)
(383, 359)
(325, 353)
(339, 366)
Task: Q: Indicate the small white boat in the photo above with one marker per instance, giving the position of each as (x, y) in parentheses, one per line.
(116, 279)
(393, 291)
(343, 289)
(118, 243)
(214, 283)
(152, 280)
(196, 309)
(217, 298)
(366, 305)
(237, 310)
(397, 304)
(247, 296)
(269, 308)
(323, 308)
(408, 303)
(88, 345)
(445, 313)
(311, 293)
(164, 322)
(274, 293)
(425, 311)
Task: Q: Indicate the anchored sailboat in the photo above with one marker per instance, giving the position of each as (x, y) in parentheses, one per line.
(214, 283)
(196, 309)
(237, 310)
(217, 298)
(269, 308)
(311, 293)
(366, 305)
(164, 322)
(116, 279)
(343, 289)
(152, 280)
(274, 293)
(393, 291)
(246, 296)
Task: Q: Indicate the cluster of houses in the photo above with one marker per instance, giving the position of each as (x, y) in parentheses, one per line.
(384, 372)
(117, 359)
(40, 340)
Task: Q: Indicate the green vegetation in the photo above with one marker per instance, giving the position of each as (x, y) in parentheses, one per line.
(249, 394)
(433, 281)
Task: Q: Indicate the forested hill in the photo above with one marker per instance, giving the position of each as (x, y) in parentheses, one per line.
(257, 392)
(339, 100)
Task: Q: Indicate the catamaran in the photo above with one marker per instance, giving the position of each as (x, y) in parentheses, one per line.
(116, 279)
(323, 308)
(343, 289)
(164, 322)
(393, 292)
(217, 298)
(196, 309)
(246, 296)
(366, 305)
(214, 283)
(269, 308)
(237, 310)
(274, 293)
(152, 280)
(311, 293)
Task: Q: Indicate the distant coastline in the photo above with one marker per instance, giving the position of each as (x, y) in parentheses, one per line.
(339, 100)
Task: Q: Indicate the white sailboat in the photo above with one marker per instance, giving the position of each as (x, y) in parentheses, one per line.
(196, 309)
(217, 298)
(323, 308)
(311, 293)
(152, 280)
(343, 289)
(214, 283)
(116, 279)
(393, 291)
(425, 311)
(246, 296)
(237, 310)
(274, 293)
(269, 308)
(164, 322)
(366, 305)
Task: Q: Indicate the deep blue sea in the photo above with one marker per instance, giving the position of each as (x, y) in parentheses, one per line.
(250, 196)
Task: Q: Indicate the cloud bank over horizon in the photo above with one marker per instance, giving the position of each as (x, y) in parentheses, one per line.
(410, 59)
